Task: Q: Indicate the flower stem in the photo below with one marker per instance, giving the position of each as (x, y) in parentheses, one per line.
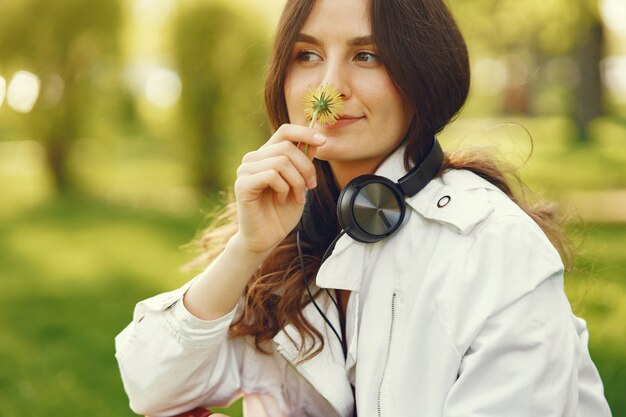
(313, 120)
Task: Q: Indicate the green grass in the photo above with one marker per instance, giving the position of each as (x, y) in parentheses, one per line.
(597, 290)
(72, 271)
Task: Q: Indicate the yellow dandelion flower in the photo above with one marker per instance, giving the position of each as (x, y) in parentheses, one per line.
(323, 105)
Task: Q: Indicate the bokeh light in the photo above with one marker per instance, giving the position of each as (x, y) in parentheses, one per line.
(23, 91)
(490, 76)
(53, 87)
(153, 11)
(152, 80)
(163, 87)
(614, 74)
(614, 15)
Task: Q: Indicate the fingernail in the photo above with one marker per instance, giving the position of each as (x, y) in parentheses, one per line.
(319, 138)
(312, 182)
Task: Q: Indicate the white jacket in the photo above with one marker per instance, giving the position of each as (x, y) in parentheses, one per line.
(461, 313)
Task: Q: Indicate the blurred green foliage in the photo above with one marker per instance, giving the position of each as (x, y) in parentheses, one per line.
(221, 57)
(530, 37)
(541, 149)
(551, 27)
(71, 45)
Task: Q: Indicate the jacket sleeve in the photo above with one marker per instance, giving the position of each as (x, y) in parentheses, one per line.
(172, 362)
(526, 354)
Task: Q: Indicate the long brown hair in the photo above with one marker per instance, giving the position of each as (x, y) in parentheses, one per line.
(425, 56)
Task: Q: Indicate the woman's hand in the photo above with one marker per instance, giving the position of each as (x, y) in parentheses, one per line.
(271, 186)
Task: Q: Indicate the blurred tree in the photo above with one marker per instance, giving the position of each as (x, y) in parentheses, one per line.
(68, 44)
(589, 93)
(221, 55)
(540, 29)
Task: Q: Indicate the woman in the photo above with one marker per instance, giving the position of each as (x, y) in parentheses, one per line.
(460, 312)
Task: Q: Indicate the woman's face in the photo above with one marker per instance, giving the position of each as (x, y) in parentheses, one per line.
(335, 46)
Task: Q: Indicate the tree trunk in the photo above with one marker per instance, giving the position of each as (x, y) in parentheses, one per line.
(589, 95)
(56, 158)
(208, 164)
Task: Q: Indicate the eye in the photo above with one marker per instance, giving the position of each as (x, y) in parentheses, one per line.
(367, 57)
(307, 56)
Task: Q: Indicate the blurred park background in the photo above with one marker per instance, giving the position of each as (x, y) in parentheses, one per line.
(120, 121)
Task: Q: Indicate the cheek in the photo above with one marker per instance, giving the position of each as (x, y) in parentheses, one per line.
(293, 97)
(390, 101)
(393, 115)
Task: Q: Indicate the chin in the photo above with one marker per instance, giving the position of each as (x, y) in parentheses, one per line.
(340, 151)
(325, 153)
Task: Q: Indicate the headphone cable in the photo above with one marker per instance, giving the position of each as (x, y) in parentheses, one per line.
(306, 285)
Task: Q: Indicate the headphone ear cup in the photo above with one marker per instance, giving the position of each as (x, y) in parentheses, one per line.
(370, 208)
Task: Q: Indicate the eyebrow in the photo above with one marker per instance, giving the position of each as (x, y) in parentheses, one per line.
(359, 41)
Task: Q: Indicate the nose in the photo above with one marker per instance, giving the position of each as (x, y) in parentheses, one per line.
(338, 74)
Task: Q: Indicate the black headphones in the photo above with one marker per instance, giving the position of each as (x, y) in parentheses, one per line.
(370, 207)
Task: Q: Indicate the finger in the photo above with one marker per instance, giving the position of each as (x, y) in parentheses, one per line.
(296, 134)
(308, 150)
(286, 150)
(250, 187)
(282, 164)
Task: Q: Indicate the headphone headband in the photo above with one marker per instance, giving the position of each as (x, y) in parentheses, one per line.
(422, 173)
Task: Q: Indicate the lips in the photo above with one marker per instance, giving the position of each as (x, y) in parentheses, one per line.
(344, 120)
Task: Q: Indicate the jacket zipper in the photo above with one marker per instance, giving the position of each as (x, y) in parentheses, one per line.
(382, 379)
(309, 382)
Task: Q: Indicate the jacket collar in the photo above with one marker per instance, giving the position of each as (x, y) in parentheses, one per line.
(344, 268)
(455, 200)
